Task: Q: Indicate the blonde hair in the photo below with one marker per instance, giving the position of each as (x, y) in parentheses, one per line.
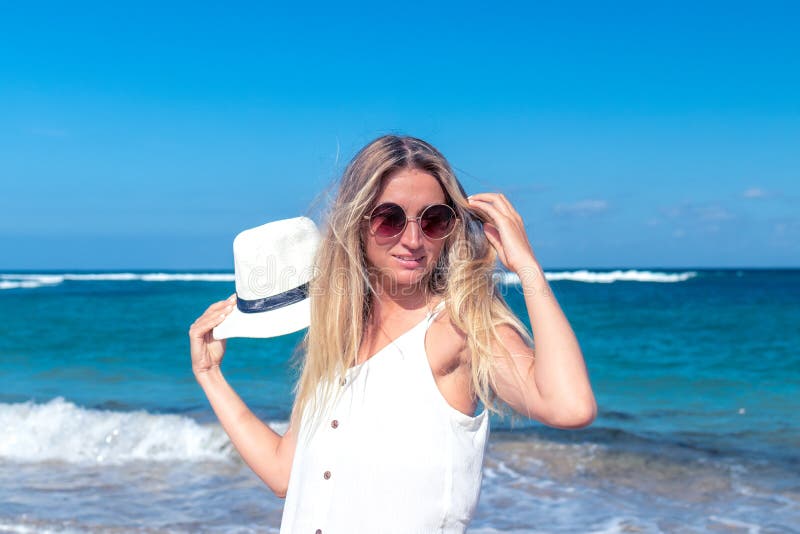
(340, 289)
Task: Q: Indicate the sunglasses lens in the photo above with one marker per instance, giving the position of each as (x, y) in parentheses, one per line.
(387, 220)
(438, 221)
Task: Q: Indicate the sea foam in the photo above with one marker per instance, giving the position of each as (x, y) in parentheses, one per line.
(15, 281)
(605, 277)
(61, 431)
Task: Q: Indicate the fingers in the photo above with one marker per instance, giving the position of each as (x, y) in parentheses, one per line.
(489, 207)
(220, 305)
(223, 304)
(213, 316)
(499, 201)
(504, 229)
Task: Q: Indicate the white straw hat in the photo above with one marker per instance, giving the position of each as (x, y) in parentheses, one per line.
(273, 264)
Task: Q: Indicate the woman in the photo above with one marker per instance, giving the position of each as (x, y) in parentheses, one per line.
(407, 334)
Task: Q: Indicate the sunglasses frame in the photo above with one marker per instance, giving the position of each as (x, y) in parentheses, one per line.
(415, 219)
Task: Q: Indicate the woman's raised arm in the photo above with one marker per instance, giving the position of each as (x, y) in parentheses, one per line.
(267, 453)
(552, 384)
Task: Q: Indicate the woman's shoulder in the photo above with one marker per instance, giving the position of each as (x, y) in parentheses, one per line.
(444, 332)
(454, 333)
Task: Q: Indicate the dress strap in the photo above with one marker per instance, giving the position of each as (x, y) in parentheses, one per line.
(434, 312)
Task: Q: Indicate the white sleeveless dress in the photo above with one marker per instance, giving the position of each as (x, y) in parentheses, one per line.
(391, 455)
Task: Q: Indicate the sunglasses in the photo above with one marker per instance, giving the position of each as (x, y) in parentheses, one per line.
(437, 221)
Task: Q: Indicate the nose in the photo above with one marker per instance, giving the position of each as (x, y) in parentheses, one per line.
(412, 234)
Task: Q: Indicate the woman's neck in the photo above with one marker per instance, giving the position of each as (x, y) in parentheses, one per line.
(390, 301)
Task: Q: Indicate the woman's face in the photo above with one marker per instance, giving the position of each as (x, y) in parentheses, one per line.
(404, 260)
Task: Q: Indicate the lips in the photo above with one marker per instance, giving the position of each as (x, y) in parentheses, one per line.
(409, 261)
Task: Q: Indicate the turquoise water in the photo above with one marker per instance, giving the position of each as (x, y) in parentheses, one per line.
(696, 373)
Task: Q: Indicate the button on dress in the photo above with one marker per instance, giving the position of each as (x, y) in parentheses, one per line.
(390, 454)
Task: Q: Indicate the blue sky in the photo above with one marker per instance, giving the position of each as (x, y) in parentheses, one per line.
(635, 134)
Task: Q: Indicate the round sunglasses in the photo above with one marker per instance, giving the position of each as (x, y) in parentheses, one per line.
(436, 221)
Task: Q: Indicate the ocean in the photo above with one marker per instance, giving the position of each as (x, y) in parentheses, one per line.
(696, 373)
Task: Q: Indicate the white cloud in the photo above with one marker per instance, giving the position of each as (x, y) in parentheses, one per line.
(581, 208)
(697, 213)
(689, 219)
(713, 213)
(754, 192)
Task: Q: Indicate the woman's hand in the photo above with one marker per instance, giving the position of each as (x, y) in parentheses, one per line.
(505, 230)
(207, 352)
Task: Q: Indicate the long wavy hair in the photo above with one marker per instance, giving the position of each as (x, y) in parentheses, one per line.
(341, 290)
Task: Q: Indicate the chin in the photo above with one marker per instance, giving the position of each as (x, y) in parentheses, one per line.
(402, 280)
(410, 279)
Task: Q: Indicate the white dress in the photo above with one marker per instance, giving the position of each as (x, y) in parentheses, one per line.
(391, 455)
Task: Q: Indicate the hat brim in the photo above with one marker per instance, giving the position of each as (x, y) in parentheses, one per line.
(265, 324)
